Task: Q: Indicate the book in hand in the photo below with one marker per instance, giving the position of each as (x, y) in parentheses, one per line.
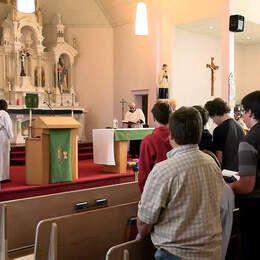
(130, 124)
(230, 176)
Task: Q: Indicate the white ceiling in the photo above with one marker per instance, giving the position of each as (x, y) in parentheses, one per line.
(212, 27)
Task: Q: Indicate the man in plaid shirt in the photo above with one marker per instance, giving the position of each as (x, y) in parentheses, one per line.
(180, 204)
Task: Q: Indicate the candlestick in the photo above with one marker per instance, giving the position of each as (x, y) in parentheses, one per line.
(30, 123)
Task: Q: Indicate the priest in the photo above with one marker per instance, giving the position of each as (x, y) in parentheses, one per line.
(6, 133)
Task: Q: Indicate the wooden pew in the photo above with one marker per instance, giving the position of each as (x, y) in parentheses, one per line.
(132, 250)
(87, 235)
(21, 217)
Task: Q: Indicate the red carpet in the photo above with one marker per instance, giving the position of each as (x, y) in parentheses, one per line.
(90, 175)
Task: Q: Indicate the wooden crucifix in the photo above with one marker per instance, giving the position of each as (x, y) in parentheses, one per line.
(212, 67)
(123, 102)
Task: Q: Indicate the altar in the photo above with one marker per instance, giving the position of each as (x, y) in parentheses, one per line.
(20, 119)
(110, 146)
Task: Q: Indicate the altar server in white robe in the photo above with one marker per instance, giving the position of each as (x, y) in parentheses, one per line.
(6, 133)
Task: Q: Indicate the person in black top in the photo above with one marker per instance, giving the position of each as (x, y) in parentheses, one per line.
(206, 137)
(247, 188)
(226, 136)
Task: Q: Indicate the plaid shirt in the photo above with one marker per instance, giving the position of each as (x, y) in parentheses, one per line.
(182, 198)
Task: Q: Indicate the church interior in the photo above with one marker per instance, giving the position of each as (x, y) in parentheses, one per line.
(84, 62)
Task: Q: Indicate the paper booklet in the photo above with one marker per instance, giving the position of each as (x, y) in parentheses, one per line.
(230, 176)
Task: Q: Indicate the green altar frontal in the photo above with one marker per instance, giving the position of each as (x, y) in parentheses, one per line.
(132, 134)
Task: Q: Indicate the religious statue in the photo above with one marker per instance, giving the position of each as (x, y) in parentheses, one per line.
(163, 83)
(23, 56)
(62, 75)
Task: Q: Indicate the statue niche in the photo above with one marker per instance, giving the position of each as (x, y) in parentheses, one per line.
(39, 72)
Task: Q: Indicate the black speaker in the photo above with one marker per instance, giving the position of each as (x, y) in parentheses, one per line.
(236, 23)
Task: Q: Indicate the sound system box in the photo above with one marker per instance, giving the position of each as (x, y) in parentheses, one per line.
(236, 23)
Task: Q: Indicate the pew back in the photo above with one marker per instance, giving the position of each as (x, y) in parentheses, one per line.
(87, 235)
(23, 215)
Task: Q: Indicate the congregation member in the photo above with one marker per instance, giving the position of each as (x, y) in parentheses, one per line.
(173, 103)
(155, 146)
(6, 133)
(134, 118)
(226, 136)
(247, 187)
(180, 204)
(206, 137)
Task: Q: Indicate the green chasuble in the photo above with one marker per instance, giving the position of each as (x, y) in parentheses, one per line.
(60, 146)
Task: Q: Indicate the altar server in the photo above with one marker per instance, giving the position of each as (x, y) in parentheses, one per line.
(6, 133)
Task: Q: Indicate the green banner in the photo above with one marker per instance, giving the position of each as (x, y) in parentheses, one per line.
(138, 134)
(61, 165)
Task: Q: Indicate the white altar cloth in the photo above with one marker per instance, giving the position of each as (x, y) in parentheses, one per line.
(103, 146)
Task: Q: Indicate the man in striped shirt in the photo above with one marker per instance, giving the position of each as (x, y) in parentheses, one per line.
(180, 204)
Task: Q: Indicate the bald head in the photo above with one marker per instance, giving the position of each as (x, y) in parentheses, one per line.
(131, 107)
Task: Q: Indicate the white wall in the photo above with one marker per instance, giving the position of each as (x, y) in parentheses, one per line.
(94, 75)
(247, 69)
(134, 66)
(191, 79)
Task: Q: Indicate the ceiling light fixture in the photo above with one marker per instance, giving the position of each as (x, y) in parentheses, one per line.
(211, 27)
(248, 38)
(141, 20)
(26, 6)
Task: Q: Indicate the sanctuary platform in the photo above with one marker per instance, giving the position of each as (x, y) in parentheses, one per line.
(90, 175)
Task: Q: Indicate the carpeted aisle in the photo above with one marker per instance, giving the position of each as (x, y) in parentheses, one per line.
(90, 175)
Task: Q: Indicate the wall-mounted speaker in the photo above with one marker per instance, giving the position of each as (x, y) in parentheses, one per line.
(236, 23)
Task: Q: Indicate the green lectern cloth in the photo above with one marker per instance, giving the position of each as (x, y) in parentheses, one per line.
(60, 146)
(132, 134)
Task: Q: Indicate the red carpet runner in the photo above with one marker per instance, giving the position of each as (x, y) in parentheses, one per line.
(90, 175)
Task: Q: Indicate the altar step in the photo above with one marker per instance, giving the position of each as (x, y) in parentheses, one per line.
(17, 155)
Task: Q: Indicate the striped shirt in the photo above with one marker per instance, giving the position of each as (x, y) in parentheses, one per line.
(182, 198)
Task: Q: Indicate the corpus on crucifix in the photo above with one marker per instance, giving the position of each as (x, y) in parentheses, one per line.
(212, 67)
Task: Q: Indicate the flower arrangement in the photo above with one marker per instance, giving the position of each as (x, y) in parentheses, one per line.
(134, 165)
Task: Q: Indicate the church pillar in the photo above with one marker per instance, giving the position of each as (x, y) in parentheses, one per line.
(17, 68)
(4, 71)
(71, 79)
(39, 71)
(56, 73)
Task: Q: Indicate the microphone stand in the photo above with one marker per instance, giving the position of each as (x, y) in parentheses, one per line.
(50, 107)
